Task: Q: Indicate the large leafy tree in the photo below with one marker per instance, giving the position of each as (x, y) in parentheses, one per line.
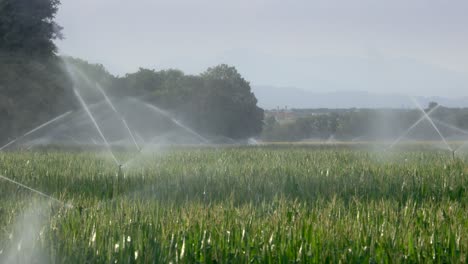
(28, 27)
(32, 81)
(218, 102)
(229, 106)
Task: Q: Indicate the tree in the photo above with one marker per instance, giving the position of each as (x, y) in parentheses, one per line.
(33, 84)
(28, 27)
(229, 104)
(432, 105)
(218, 102)
(31, 92)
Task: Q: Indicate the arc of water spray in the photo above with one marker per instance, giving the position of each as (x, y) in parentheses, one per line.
(451, 126)
(37, 129)
(460, 147)
(119, 115)
(432, 123)
(412, 127)
(175, 121)
(83, 103)
(108, 101)
(36, 191)
(90, 115)
(139, 137)
(456, 129)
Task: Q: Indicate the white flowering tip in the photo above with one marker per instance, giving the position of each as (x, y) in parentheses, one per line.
(182, 250)
(93, 237)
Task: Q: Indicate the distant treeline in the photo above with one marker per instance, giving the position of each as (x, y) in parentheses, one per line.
(366, 124)
(218, 102)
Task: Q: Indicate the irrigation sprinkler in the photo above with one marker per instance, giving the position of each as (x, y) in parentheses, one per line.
(109, 102)
(428, 118)
(90, 115)
(118, 181)
(85, 107)
(120, 173)
(422, 118)
(122, 119)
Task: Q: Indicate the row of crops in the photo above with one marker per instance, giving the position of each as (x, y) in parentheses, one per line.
(247, 204)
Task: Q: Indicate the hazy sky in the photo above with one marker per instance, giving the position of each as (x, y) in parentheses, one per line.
(414, 47)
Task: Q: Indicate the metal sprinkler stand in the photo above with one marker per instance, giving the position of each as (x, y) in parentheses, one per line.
(120, 177)
(120, 170)
(118, 182)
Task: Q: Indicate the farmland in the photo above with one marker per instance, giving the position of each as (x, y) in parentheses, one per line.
(236, 204)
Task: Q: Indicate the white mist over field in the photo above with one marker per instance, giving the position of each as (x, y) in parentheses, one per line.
(27, 235)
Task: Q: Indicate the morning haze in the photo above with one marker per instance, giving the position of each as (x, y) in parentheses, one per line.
(406, 47)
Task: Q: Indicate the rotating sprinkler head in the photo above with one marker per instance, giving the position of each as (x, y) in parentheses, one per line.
(119, 174)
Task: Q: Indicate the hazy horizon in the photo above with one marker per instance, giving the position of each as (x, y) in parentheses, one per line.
(416, 48)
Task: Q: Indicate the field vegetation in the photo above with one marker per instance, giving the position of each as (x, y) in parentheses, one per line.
(289, 204)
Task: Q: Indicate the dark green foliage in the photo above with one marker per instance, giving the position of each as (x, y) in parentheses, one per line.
(228, 106)
(32, 91)
(32, 82)
(27, 27)
(218, 102)
(95, 72)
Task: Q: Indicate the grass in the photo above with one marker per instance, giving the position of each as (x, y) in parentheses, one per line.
(263, 204)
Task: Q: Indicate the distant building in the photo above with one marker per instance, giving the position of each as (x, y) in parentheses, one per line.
(284, 115)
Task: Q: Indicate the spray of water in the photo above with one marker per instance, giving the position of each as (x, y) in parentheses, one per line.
(175, 121)
(36, 191)
(109, 102)
(85, 107)
(36, 129)
(428, 118)
(412, 127)
(25, 236)
(450, 126)
(460, 147)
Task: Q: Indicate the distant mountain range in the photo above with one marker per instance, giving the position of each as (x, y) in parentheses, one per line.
(271, 97)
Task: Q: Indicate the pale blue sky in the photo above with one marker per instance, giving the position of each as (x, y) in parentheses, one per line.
(413, 47)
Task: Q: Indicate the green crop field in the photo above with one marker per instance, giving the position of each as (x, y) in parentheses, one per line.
(267, 204)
